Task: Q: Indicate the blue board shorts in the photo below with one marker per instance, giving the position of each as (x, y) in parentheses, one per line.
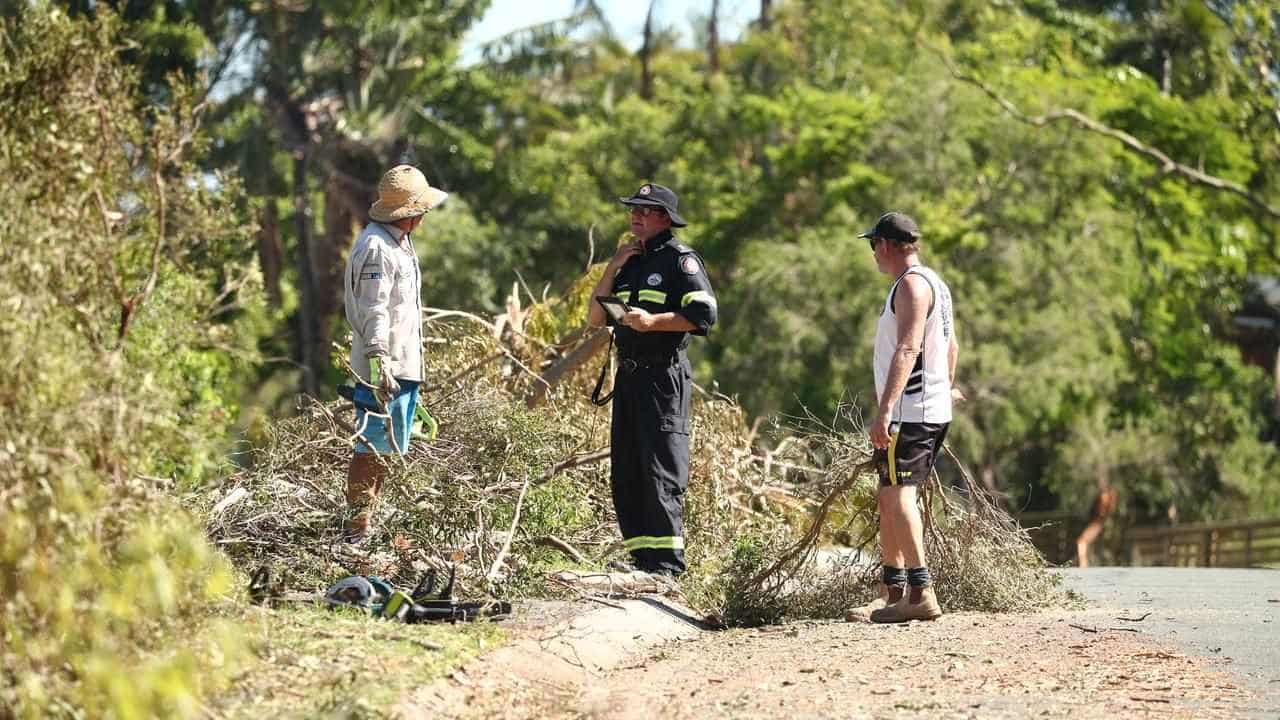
(402, 409)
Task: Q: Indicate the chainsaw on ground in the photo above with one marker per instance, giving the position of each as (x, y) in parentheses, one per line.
(380, 599)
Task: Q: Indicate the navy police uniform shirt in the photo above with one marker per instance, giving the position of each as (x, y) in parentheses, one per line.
(667, 277)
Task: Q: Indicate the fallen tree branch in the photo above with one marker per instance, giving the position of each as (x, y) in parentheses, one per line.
(575, 461)
(596, 341)
(769, 463)
(809, 540)
(506, 546)
(467, 370)
(583, 595)
(230, 499)
(552, 541)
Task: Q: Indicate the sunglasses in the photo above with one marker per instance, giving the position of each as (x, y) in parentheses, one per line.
(645, 210)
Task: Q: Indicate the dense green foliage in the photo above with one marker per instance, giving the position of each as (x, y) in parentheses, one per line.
(1094, 290)
(141, 143)
(1095, 286)
(130, 318)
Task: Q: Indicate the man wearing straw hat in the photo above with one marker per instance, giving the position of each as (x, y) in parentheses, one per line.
(382, 296)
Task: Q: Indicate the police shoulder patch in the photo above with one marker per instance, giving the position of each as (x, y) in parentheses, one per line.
(689, 264)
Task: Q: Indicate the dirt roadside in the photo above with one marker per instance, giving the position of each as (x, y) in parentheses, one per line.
(1084, 664)
(962, 666)
(553, 652)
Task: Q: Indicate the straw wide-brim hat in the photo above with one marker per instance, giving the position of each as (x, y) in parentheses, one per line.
(403, 193)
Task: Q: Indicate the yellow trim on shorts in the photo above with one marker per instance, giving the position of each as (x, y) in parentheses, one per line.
(893, 462)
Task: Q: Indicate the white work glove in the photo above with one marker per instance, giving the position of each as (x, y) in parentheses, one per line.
(381, 377)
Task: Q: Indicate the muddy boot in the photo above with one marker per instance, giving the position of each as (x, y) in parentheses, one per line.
(364, 478)
(889, 594)
(919, 603)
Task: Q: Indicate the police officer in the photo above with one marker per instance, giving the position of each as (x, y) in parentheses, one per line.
(665, 285)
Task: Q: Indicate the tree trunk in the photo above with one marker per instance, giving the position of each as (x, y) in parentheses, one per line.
(270, 251)
(330, 257)
(713, 38)
(766, 14)
(1275, 372)
(646, 52)
(307, 310)
(1166, 74)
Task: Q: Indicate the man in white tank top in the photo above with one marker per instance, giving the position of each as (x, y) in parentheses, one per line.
(915, 365)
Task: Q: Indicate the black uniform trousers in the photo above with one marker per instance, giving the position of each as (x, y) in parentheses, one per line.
(649, 459)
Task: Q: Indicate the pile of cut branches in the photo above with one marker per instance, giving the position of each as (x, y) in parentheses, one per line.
(979, 556)
(509, 489)
(516, 485)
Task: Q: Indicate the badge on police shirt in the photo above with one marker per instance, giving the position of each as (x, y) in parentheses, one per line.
(654, 280)
(689, 265)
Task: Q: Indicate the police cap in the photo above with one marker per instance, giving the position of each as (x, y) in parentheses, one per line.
(656, 196)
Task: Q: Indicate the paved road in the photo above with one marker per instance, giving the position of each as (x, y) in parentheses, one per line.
(1228, 613)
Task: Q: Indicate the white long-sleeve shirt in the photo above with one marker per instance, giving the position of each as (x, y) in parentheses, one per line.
(382, 289)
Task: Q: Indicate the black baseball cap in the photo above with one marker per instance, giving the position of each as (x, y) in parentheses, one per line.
(657, 196)
(894, 226)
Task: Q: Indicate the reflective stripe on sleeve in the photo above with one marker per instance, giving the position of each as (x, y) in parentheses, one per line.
(656, 296)
(701, 296)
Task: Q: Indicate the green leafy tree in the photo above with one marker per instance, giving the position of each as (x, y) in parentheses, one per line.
(132, 310)
(1096, 181)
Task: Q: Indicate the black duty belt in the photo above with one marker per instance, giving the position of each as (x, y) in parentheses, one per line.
(629, 363)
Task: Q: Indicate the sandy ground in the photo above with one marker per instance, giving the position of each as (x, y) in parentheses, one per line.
(1086, 664)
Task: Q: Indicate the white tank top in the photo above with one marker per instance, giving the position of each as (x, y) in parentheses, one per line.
(927, 397)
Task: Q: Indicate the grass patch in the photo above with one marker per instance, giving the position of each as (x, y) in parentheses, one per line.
(310, 662)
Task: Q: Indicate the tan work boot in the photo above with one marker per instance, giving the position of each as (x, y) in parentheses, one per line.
(364, 479)
(889, 594)
(917, 604)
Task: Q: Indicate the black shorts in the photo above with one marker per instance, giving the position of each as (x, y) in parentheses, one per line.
(913, 448)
